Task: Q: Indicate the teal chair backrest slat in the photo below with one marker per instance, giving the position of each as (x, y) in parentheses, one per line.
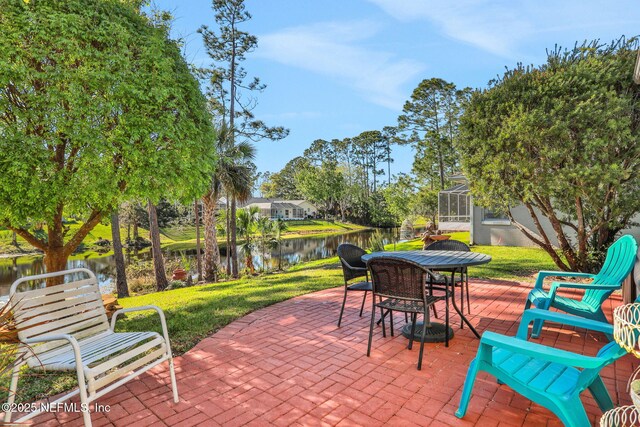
(618, 264)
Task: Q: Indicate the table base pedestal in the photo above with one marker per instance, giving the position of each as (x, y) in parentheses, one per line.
(434, 333)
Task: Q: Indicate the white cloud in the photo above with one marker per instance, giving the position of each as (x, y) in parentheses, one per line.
(334, 49)
(502, 26)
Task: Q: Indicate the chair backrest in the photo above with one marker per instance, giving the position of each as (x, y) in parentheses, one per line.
(351, 256)
(394, 278)
(448, 245)
(620, 259)
(73, 308)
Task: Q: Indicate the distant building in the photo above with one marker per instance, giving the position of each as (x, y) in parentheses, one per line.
(283, 209)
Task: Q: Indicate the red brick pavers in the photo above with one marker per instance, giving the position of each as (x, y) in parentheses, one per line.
(289, 364)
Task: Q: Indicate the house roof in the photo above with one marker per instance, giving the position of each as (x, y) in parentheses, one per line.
(265, 203)
(457, 189)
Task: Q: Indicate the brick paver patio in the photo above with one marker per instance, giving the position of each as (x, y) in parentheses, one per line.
(289, 364)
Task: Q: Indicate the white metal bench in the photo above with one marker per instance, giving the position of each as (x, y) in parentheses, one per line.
(65, 328)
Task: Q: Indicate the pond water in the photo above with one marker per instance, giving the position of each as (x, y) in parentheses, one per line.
(293, 251)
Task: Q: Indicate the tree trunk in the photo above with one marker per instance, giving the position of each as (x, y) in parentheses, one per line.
(158, 261)
(55, 260)
(232, 249)
(14, 238)
(121, 275)
(441, 167)
(211, 250)
(545, 243)
(198, 254)
(135, 230)
(228, 235)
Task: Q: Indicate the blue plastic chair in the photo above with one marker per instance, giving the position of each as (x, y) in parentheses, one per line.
(617, 265)
(548, 376)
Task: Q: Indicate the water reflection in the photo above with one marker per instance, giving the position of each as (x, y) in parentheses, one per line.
(294, 251)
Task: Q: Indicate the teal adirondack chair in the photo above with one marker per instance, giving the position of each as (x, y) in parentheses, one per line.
(619, 262)
(548, 376)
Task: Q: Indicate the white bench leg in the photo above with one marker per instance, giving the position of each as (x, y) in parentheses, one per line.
(84, 399)
(174, 385)
(13, 387)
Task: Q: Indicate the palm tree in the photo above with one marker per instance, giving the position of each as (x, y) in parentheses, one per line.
(279, 226)
(265, 227)
(246, 222)
(234, 175)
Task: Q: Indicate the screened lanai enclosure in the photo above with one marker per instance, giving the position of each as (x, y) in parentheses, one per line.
(454, 208)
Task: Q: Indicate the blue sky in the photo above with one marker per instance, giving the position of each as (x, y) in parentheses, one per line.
(335, 68)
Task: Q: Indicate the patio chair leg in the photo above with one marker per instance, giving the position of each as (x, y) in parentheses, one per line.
(538, 323)
(413, 329)
(391, 321)
(363, 301)
(601, 395)
(384, 329)
(468, 387)
(453, 280)
(84, 400)
(174, 385)
(467, 286)
(13, 387)
(381, 316)
(344, 301)
(424, 332)
(435, 312)
(446, 319)
(461, 301)
(573, 414)
(373, 319)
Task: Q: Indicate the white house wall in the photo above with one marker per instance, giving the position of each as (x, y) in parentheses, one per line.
(502, 233)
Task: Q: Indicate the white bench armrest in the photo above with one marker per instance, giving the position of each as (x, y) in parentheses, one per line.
(157, 309)
(57, 337)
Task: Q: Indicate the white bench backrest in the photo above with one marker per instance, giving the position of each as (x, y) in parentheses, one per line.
(73, 308)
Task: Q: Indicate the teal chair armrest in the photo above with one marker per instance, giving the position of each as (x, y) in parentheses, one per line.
(543, 274)
(569, 285)
(566, 319)
(583, 286)
(539, 351)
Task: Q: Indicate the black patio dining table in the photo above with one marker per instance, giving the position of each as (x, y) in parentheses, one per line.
(450, 261)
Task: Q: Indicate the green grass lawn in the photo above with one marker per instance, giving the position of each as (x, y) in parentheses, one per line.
(508, 262)
(196, 312)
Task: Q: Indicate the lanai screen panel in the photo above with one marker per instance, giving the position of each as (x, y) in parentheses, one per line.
(454, 204)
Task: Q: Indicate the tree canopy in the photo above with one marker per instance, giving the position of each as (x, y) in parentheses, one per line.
(563, 140)
(429, 121)
(96, 105)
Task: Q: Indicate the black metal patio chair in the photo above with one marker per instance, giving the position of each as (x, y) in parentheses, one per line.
(353, 268)
(399, 285)
(441, 279)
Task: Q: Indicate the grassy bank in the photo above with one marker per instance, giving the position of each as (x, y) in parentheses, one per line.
(178, 235)
(294, 229)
